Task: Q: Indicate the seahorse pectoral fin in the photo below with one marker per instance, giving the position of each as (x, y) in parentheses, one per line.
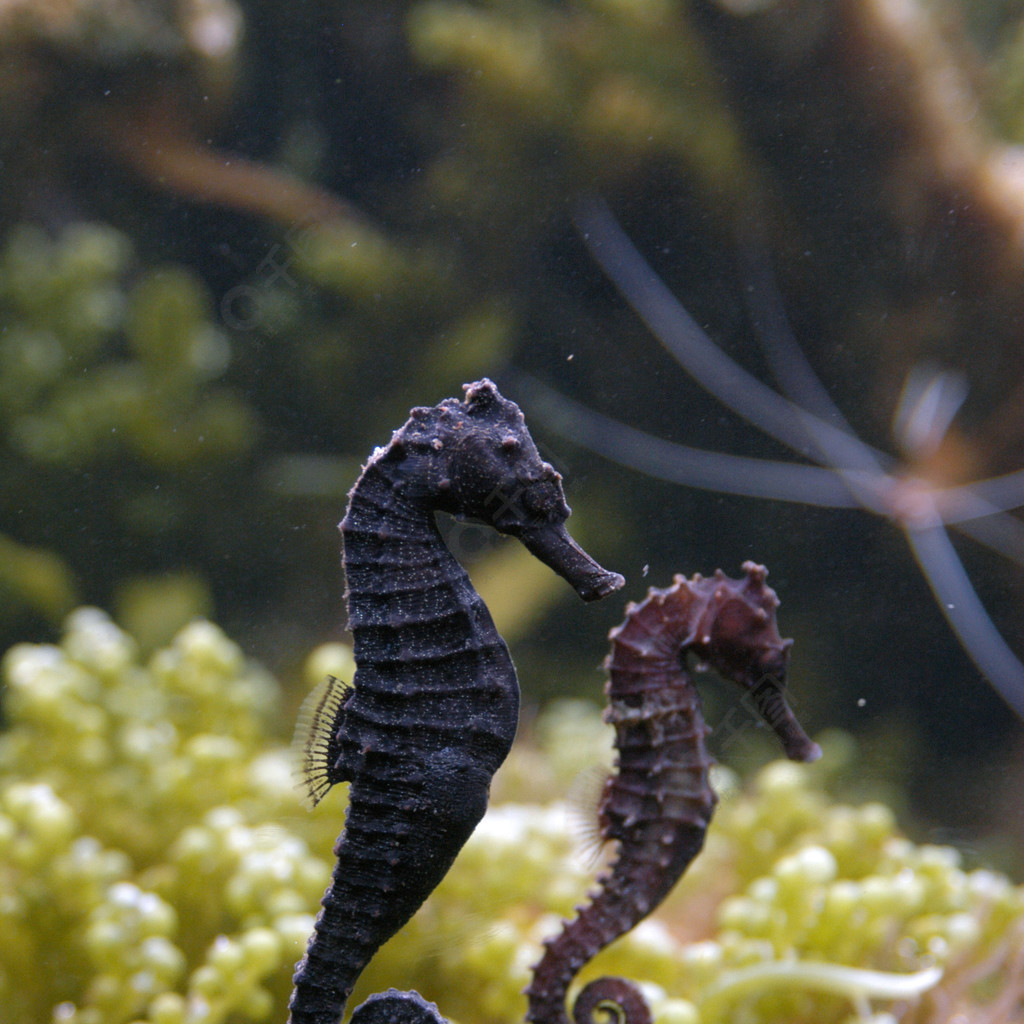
(316, 741)
(551, 543)
(583, 811)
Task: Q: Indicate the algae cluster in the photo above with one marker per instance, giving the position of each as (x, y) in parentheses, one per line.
(111, 414)
(157, 866)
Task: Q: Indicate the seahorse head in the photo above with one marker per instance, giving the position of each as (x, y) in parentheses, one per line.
(475, 459)
(738, 631)
(496, 473)
(739, 636)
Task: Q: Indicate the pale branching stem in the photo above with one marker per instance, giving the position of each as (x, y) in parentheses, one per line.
(966, 614)
(849, 473)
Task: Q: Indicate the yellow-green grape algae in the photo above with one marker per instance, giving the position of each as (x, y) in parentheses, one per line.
(156, 865)
(149, 860)
(799, 909)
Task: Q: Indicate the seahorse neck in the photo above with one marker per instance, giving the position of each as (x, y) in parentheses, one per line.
(379, 496)
(422, 635)
(393, 544)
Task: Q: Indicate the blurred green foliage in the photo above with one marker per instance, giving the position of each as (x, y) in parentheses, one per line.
(108, 376)
(95, 371)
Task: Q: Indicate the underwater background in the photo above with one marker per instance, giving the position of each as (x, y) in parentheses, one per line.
(238, 241)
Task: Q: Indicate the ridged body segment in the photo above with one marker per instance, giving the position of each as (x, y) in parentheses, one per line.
(658, 803)
(435, 702)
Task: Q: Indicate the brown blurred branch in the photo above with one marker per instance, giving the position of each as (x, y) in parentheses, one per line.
(867, 119)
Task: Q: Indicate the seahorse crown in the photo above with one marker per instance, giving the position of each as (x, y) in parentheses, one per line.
(475, 458)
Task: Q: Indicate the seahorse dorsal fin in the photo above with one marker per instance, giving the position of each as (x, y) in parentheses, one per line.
(315, 741)
(583, 810)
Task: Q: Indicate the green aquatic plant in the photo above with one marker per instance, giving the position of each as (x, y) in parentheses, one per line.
(111, 412)
(603, 89)
(91, 368)
(156, 867)
(799, 909)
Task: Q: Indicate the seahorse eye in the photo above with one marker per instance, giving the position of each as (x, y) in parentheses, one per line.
(544, 501)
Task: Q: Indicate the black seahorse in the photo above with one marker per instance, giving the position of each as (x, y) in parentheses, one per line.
(435, 701)
(658, 803)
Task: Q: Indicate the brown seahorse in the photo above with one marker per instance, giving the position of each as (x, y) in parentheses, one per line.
(435, 702)
(658, 803)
